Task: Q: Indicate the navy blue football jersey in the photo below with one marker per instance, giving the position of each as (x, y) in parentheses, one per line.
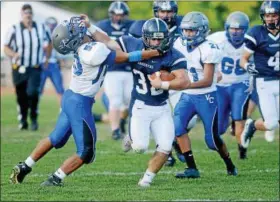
(115, 33)
(142, 89)
(265, 48)
(136, 28)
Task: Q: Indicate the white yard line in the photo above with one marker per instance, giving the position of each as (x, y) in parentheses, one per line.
(110, 173)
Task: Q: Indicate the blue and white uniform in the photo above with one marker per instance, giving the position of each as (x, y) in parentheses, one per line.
(53, 72)
(265, 48)
(118, 80)
(149, 109)
(200, 101)
(88, 71)
(232, 90)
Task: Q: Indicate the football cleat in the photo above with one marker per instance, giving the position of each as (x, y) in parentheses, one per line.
(188, 173)
(269, 135)
(19, 172)
(232, 171)
(53, 180)
(170, 161)
(116, 135)
(179, 154)
(247, 133)
(34, 125)
(23, 125)
(126, 144)
(144, 184)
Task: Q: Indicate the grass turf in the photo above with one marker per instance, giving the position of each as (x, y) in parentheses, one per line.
(114, 174)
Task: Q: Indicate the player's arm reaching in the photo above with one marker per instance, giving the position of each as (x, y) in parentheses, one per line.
(121, 56)
(250, 45)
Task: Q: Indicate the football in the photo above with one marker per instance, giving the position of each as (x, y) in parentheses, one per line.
(164, 75)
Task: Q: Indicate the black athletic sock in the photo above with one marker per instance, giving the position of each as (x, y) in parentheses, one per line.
(97, 117)
(122, 125)
(189, 159)
(228, 162)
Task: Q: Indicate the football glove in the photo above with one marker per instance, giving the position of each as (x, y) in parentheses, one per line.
(251, 69)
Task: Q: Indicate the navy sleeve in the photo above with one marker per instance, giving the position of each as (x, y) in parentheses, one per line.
(110, 60)
(251, 40)
(127, 43)
(179, 61)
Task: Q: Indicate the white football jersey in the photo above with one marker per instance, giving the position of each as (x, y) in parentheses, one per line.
(89, 68)
(229, 66)
(205, 53)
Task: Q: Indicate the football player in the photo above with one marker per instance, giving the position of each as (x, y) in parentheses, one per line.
(232, 91)
(118, 81)
(149, 109)
(263, 42)
(200, 98)
(89, 68)
(53, 68)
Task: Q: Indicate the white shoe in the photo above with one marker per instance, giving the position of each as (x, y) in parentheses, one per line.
(245, 135)
(143, 183)
(269, 135)
(126, 144)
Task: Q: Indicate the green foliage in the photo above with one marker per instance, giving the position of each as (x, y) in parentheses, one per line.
(114, 175)
(216, 11)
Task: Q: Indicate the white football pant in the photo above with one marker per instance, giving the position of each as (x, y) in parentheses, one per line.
(157, 120)
(118, 86)
(268, 93)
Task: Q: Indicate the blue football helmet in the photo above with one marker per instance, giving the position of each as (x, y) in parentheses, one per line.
(237, 20)
(68, 36)
(270, 7)
(118, 8)
(51, 22)
(156, 28)
(198, 22)
(166, 5)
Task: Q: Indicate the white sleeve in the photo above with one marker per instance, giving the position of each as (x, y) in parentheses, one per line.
(211, 54)
(9, 37)
(96, 55)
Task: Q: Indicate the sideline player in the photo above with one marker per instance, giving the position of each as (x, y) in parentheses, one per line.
(53, 69)
(118, 80)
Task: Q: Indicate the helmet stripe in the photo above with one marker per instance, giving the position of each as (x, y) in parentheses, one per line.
(157, 24)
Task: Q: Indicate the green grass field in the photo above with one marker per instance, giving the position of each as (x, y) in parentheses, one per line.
(114, 174)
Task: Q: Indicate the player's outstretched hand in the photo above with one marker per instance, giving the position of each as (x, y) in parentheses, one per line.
(85, 20)
(251, 69)
(164, 46)
(156, 82)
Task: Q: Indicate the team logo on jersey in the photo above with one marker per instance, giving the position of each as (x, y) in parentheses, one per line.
(145, 65)
(209, 98)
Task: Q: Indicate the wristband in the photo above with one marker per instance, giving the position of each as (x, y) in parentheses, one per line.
(92, 29)
(135, 56)
(165, 85)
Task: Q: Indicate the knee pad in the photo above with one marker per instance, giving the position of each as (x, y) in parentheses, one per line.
(271, 125)
(139, 149)
(115, 103)
(87, 155)
(192, 123)
(164, 150)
